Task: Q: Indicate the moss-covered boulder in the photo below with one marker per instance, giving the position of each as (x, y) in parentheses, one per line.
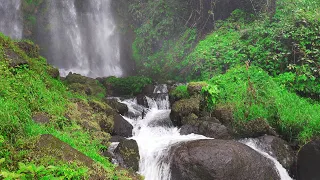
(127, 154)
(115, 104)
(195, 88)
(14, 59)
(53, 146)
(183, 108)
(253, 129)
(84, 85)
(224, 114)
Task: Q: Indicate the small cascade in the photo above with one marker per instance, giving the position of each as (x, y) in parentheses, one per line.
(10, 19)
(155, 135)
(281, 170)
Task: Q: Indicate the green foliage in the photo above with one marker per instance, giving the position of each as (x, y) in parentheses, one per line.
(287, 43)
(27, 90)
(180, 92)
(131, 85)
(210, 94)
(253, 94)
(32, 171)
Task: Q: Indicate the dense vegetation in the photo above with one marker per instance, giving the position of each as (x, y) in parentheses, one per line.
(281, 50)
(27, 88)
(285, 45)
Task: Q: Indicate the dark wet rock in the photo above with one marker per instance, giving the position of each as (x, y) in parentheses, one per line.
(127, 154)
(14, 59)
(195, 88)
(279, 149)
(309, 161)
(41, 118)
(117, 138)
(219, 160)
(121, 127)
(209, 129)
(183, 108)
(142, 100)
(120, 107)
(224, 114)
(148, 89)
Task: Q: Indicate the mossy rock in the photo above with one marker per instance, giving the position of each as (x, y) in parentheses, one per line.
(53, 72)
(183, 108)
(195, 88)
(120, 107)
(253, 128)
(127, 154)
(41, 118)
(14, 59)
(32, 50)
(84, 85)
(50, 146)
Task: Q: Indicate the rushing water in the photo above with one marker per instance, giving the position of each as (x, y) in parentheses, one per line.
(155, 135)
(10, 19)
(83, 38)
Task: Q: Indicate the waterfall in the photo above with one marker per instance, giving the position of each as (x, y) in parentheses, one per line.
(82, 38)
(155, 135)
(10, 20)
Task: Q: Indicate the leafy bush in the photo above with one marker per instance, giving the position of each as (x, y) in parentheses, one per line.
(131, 85)
(180, 92)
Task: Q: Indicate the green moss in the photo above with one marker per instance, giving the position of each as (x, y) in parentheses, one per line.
(180, 92)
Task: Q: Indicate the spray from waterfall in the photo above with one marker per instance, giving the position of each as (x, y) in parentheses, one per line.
(10, 19)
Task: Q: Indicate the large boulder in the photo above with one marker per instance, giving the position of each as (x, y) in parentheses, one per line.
(127, 154)
(309, 161)
(207, 126)
(219, 160)
(121, 127)
(183, 108)
(279, 149)
(48, 144)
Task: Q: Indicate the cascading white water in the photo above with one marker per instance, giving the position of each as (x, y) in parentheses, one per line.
(281, 170)
(10, 20)
(83, 38)
(155, 137)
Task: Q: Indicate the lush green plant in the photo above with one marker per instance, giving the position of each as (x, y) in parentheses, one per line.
(253, 94)
(180, 92)
(32, 171)
(131, 85)
(210, 94)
